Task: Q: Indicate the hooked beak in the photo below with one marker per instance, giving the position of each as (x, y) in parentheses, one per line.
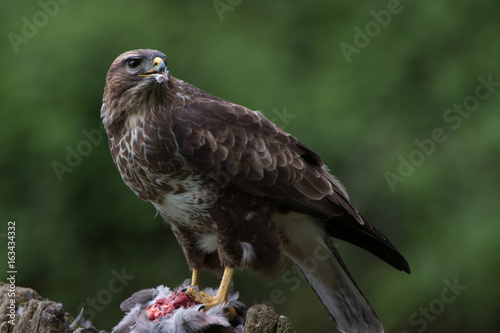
(160, 68)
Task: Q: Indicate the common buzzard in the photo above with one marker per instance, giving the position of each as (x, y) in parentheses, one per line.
(236, 190)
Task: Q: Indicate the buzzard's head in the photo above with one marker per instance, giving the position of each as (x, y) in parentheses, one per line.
(138, 69)
(135, 79)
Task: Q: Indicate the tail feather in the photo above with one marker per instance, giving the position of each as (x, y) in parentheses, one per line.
(367, 237)
(339, 294)
(311, 249)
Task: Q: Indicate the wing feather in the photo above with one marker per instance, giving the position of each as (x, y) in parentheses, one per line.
(221, 138)
(232, 143)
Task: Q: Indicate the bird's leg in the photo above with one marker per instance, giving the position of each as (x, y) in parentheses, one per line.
(209, 301)
(195, 278)
(224, 285)
(199, 296)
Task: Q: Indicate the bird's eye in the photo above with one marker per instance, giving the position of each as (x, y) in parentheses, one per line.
(134, 63)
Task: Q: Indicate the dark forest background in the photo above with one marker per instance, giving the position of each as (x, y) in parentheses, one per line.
(401, 99)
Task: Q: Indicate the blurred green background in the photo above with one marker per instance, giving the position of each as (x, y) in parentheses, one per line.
(360, 99)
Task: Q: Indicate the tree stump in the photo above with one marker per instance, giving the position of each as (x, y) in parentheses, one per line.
(262, 318)
(45, 316)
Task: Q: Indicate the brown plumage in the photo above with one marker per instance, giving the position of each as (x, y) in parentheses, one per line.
(237, 190)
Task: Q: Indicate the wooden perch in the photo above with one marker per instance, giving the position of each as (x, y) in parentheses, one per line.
(45, 316)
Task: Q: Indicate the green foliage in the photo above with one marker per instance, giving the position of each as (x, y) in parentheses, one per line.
(362, 113)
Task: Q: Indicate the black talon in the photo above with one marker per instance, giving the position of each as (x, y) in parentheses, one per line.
(201, 307)
(183, 290)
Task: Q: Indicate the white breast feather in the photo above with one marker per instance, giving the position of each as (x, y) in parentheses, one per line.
(185, 209)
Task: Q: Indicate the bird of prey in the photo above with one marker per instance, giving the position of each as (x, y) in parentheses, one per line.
(236, 190)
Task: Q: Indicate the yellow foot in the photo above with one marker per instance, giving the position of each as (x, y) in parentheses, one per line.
(202, 297)
(208, 301)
